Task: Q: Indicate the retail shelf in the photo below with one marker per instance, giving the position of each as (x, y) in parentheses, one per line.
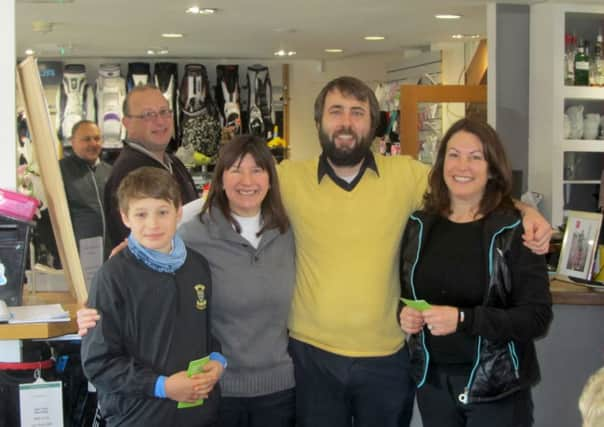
(586, 145)
(584, 92)
(585, 181)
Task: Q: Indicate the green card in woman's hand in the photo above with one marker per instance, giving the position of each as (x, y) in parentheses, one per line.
(417, 304)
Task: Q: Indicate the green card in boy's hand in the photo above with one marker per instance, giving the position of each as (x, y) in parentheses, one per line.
(417, 304)
(195, 367)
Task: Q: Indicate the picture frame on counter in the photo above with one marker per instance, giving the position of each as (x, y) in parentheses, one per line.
(579, 244)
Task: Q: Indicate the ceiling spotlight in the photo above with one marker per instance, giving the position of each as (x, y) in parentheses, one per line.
(150, 52)
(172, 35)
(280, 53)
(29, 52)
(196, 10)
(465, 36)
(334, 50)
(447, 16)
(162, 52)
(291, 53)
(374, 38)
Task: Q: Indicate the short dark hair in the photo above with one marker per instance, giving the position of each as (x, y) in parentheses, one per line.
(498, 191)
(273, 212)
(133, 91)
(349, 86)
(148, 182)
(79, 124)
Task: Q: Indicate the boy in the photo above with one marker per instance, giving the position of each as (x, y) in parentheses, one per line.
(153, 303)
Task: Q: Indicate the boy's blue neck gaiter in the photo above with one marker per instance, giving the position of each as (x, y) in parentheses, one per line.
(159, 261)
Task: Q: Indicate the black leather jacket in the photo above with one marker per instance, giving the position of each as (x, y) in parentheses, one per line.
(516, 309)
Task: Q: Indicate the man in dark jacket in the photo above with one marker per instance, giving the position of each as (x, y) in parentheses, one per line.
(84, 178)
(149, 122)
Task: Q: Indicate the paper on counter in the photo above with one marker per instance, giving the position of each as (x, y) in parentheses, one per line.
(38, 314)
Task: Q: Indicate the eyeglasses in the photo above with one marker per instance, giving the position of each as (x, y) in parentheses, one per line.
(149, 116)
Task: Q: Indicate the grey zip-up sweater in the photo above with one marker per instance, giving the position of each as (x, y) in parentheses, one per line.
(84, 188)
(251, 298)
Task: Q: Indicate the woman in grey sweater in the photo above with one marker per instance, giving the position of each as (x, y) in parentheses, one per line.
(244, 234)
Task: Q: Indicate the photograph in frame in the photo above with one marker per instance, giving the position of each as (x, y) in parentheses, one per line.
(579, 244)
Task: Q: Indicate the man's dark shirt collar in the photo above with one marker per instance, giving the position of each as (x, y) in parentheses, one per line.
(83, 162)
(167, 163)
(325, 168)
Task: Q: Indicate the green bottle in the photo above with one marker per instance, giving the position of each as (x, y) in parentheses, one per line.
(581, 67)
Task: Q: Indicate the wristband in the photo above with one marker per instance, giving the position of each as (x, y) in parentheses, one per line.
(219, 358)
(160, 387)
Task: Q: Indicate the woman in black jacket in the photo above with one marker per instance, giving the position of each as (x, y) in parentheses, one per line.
(472, 350)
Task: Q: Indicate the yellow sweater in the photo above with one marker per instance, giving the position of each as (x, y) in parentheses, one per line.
(347, 254)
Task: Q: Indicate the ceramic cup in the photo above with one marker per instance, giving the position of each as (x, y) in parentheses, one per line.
(575, 115)
(566, 126)
(591, 126)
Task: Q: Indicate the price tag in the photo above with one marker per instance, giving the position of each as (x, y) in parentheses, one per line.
(41, 404)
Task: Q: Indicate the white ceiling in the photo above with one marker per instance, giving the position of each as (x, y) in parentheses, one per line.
(242, 28)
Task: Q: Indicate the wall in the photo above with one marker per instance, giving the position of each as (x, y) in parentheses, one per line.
(512, 83)
(456, 57)
(7, 88)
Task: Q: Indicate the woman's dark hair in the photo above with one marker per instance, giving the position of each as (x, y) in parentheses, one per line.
(233, 152)
(497, 194)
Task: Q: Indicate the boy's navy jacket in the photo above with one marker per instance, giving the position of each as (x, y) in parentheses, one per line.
(151, 324)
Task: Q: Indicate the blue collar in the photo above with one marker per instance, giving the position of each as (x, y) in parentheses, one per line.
(159, 261)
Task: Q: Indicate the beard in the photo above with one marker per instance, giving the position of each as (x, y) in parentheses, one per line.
(345, 156)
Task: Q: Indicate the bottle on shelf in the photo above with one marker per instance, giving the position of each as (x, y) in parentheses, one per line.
(570, 50)
(581, 65)
(597, 69)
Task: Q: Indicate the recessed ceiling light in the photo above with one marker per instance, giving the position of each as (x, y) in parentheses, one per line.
(172, 35)
(447, 16)
(465, 36)
(196, 10)
(150, 52)
(282, 52)
(29, 52)
(374, 38)
(334, 50)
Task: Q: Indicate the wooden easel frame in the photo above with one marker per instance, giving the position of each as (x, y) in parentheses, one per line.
(411, 95)
(44, 140)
